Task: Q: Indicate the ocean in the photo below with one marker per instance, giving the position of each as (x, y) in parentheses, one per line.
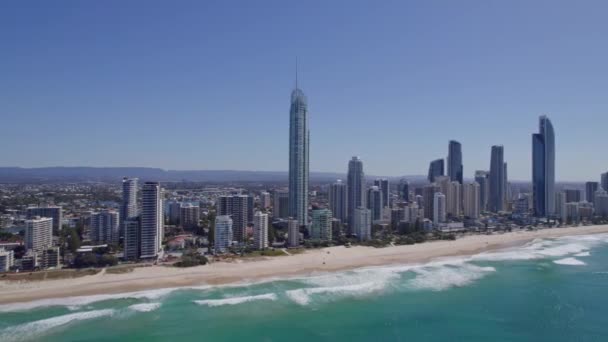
(547, 290)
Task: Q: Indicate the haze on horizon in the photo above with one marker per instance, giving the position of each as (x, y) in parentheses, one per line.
(205, 85)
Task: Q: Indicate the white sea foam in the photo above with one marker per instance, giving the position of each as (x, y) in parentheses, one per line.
(75, 302)
(569, 261)
(236, 300)
(303, 296)
(145, 307)
(582, 254)
(444, 277)
(33, 330)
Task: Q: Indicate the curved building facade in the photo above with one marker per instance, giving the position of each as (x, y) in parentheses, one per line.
(298, 157)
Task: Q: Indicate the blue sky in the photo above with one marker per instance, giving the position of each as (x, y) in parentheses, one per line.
(206, 84)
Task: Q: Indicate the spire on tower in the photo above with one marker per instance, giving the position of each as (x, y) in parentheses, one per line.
(296, 72)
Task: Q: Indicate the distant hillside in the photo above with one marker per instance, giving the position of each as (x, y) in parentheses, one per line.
(113, 174)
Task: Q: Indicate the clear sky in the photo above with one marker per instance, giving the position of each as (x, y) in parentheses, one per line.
(206, 84)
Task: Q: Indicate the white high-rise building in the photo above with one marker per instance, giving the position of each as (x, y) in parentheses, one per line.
(572, 212)
(260, 230)
(601, 203)
(128, 207)
(38, 234)
(321, 225)
(293, 233)
(7, 260)
(104, 227)
(363, 224)
(49, 211)
(439, 208)
(454, 199)
(338, 200)
(223, 233)
(152, 221)
(471, 203)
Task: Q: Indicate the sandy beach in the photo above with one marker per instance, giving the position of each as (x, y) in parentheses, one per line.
(319, 260)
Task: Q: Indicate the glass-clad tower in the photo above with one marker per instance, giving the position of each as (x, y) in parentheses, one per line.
(455, 169)
(543, 169)
(298, 157)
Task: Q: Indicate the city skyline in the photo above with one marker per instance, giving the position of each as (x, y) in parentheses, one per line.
(397, 69)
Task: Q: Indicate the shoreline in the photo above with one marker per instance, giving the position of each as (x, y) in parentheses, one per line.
(330, 259)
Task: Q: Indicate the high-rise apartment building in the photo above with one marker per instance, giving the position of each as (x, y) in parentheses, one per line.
(355, 189)
(471, 202)
(383, 185)
(363, 224)
(436, 168)
(223, 233)
(152, 221)
(497, 193)
(455, 168)
(104, 227)
(543, 169)
(298, 156)
(338, 200)
(49, 211)
(38, 233)
(321, 225)
(260, 230)
(235, 206)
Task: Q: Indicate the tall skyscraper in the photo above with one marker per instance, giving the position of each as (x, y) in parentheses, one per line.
(471, 200)
(223, 233)
(483, 179)
(174, 212)
(38, 233)
(497, 180)
(265, 199)
(321, 225)
(280, 204)
(338, 200)
(375, 202)
(128, 207)
(104, 227)
(236, 206)
(260, 230)
(50, 211)
(600, 203)
(543, 169)
(455, 169)
(590, 189)
(298, 156)
(356, 189)
(605, 181)
(363, 224)
(439, 208)
(404, 190)
(152, 221)
(383, 185)
(436, 168)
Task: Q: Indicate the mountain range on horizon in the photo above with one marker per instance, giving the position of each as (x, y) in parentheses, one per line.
(113, 174)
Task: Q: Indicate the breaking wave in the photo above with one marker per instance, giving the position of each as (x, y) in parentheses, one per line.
(569, 261)
(236, 300)
(33, 330)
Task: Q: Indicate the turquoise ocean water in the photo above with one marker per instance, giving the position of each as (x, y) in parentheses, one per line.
(548, 290)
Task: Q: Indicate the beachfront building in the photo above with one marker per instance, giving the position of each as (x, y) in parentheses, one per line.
(152, 221)
(104, 227)
(363, 224)
(223, 233)
(375, 202)
(293, 233)
(355, 180)
(471, 200)
(7, 260)
(38, 233)
(298, 156)
(49, 211)
(383, 185)
(497, 193)
(439, 208)
(235, 206)
(601, 203)
(321, 225)
(131, 231)
(128, 207)
(483, 179)
(280, 204)
(338, 200)
(260, 230)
